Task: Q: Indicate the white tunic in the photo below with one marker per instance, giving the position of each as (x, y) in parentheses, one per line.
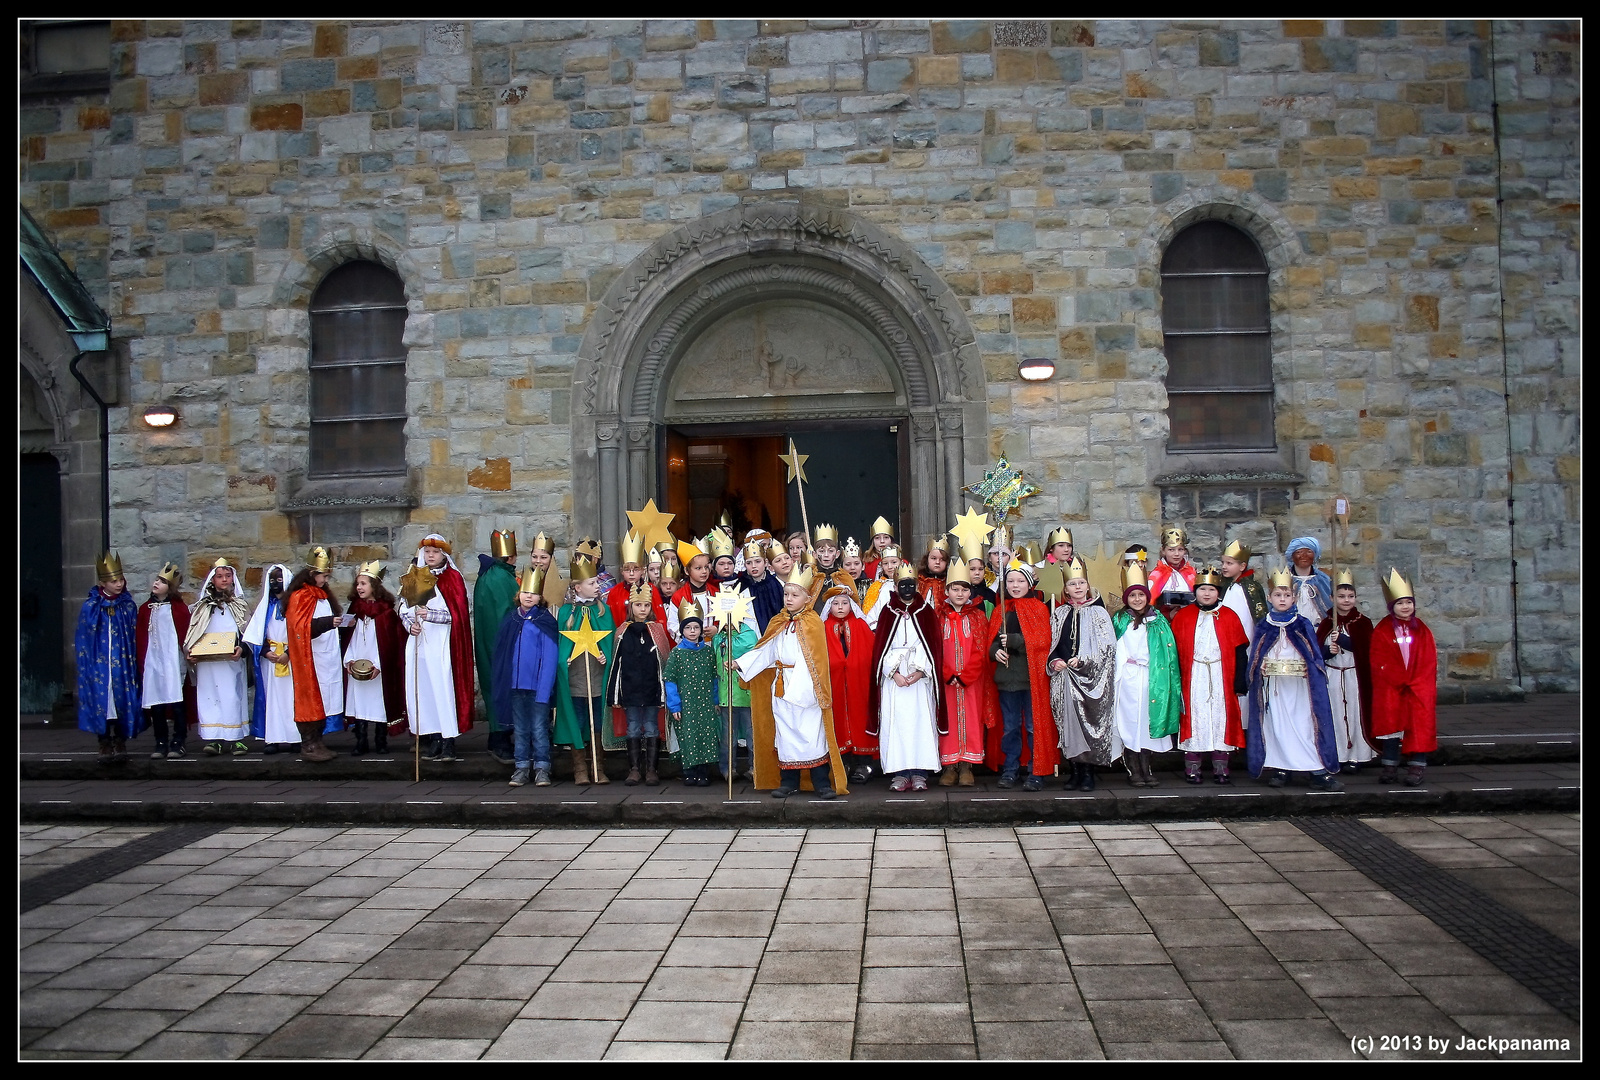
(908, 731)
(1208, 708)
(325, 658)
(797, 718)
(430, 685)
(1236, 599)
(1344, 701)
(1132, 692)
(1289, 726)
(278, 681)
(1306, 600)
(163, 660)
(364, 700)
(219, 689)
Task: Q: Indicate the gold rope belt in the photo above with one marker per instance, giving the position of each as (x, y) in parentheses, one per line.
(778, 686)
(1293, 668)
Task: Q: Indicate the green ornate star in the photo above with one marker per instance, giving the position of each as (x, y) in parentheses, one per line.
(1003, 489)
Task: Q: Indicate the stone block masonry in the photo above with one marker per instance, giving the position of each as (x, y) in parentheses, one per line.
(510, 171)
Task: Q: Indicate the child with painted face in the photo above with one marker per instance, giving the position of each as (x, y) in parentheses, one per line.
(1405, 671)
(1291, 728)
(1213, 663)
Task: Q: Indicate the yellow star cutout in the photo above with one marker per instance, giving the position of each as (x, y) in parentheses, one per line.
(734, 606)
(796, 462)
(586, 639)
(651, 524)
(972, 531)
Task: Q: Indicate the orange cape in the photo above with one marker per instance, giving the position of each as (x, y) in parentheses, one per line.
(764, 746)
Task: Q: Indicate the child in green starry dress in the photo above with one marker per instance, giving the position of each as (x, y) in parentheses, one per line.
(690, 678)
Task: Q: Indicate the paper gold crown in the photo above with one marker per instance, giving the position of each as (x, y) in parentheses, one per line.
(532, 580)
(1174, 536)
(827, 532)
(1345, 578)
(1133, 576)
(632, 550)
(1211, 575)
(957, 574)
(1396, 587)
(753, 550)
(1031, 552)
(219, 564)
(1280, 578)
(890, 552)
(1236, 550)
(1002, 537)
(171, 574)
(1062, 535)
(940, 544)
(721, 544)
(584, 568)
(725, 521)
(589, 547)
(670, 572)
(108, 567)
(543, 543)
(1076, 571)
(373, 570)
(503, 544)
(688, 609)
(904, 572)
(641, 591)
(773, 549)
(317, 559)
(800, 575)
(669, 546)
(851, 549)
(881, 527)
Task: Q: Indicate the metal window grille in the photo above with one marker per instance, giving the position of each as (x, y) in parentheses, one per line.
(358, 373)
(1218, 336)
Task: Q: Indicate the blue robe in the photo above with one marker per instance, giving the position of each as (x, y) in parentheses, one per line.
(766, 598)
(511, 645)
(122, 686)
(1304, 638)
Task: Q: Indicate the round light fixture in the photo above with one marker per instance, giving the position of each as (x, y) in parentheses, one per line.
(160, 416)
(1036, 369)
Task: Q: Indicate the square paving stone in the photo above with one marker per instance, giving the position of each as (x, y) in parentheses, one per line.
(510, 981)
(171, 991)
(623, 1050)
(682, 1021)
(1276, 999)
(582, 1001)
(798, 967)
(227, 959)
(793, 1040)
(524, 951)
(729, 924)
(1125, 919)
(804, 1002)
(604, 966)
(638, 911)
(912, 952)
(553, 1040)
(294, 977)
(921, 1051)
(372, 997)
(457, 1018)
(116, 1030)
(715, 952)
(1179, 933)
(460, 910)
(911, 923)
(196, 1046)
(103, 974)
(1348, 978)
(986, 966)
(1468, 995)
(244, 1013)
(392, 1049)
(1287, 945)
(272, 932)
(914, 984)
(808, 936)
(912, 1024)
(413, 964)
(1144, 982)
(1027, 1002)
(39, 1007)
(1149, 1021)
(1169, 1051)
(1431, 959)
(623, 937)
(155, 944)
(1379, 930)
(446, 935)
(1313, 1039)
(1113, 949)
(348, 948)
(700, 984)
(526, 923)
(60, 956)
(1375, 1015)
(323, 1036)
(1064, 1040)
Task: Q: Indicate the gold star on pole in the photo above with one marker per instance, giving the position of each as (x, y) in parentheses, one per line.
(417, 586)
(651, 524)
(796, 462)
(731, 607)
(972, 531)
(586, 639)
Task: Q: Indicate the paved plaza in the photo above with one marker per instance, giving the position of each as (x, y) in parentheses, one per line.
(1244, 939)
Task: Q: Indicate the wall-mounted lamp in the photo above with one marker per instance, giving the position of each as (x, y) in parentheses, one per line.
(1036, 369)
(160, 416)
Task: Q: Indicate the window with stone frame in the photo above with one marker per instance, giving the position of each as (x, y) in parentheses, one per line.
(358, 373)
(1218, 337)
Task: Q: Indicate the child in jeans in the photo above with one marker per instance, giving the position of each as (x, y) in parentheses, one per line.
(524, 674)
(634, 686)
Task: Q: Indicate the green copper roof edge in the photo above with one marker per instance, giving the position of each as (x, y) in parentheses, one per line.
(68, 295)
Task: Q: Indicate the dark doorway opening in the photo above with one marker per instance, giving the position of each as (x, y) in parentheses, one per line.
(855, 472)
(40, 598)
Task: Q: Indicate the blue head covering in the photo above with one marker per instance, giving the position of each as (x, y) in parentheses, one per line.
(1304, 542)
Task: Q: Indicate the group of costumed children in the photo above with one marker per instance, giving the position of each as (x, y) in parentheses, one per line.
(825, 663)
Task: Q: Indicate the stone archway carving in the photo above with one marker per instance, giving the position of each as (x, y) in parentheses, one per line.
(651, 314)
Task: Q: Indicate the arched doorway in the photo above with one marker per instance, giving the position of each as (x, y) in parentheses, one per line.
(769, 321)
(43, 636)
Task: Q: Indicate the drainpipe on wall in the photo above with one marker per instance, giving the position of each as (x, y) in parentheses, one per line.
(1505, 361)
(86, 343)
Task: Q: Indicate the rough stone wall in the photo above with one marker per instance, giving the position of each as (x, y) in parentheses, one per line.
(510, 170)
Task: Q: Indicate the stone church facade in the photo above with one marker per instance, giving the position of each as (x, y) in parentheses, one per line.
(602, 232)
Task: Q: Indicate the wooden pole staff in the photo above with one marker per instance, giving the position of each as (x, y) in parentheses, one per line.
(733, 747)
(594, 735)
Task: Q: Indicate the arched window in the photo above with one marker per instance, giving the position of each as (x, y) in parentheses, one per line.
(358, 372)
(1218, 337)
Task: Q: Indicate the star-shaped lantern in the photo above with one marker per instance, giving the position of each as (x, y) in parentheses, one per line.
(972, 531)
(651, 524)
(586, 639)
(1003, 489)
(416, 587)
(796, 462)
(731, 608)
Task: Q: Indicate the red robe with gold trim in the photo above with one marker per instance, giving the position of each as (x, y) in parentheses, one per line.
(850, 645)
(453, 588)
(1230, 635)
(1404, 695)
(966, 706)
